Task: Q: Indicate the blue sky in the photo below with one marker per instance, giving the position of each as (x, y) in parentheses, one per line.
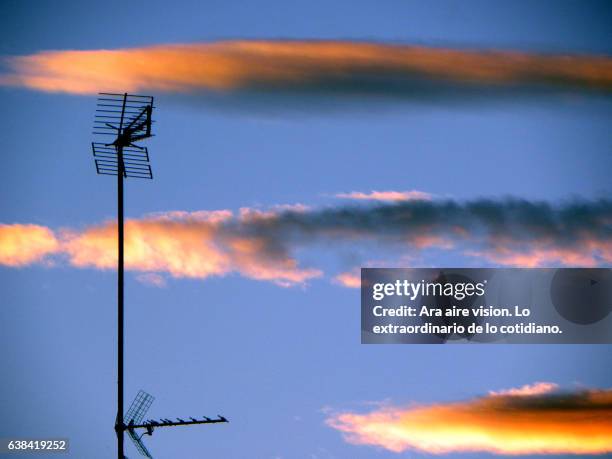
(269, 358)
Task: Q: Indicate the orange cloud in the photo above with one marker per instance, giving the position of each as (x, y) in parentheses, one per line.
(261, 244)
(586, 251)
(386, 195)
(184, 244)
(185, 249)
(22, 245)
(537, 388)
(231, 65)
(513, 423)
(350, 279)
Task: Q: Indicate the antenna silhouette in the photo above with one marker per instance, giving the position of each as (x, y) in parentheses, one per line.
(134, 416)
(126, 118)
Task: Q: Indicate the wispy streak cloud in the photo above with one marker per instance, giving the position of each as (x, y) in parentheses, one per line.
(262, 244)
(288, 66)
(537, 388)
(511, 423)
(389, 195)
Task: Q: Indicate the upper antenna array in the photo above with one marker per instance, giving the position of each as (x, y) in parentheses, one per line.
(127, 118)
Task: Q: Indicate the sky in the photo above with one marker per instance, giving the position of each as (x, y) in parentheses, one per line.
(248, 314)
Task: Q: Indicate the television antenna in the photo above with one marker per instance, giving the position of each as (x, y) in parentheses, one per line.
(133, 420)
(126, 118)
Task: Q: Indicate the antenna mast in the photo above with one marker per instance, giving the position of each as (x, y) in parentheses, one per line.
(127, 119)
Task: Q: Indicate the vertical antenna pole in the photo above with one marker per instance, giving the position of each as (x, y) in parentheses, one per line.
(129, 117)
(120, 427)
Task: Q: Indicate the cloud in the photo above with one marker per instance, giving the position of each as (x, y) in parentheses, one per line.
(552, 234)
(22, 245)
(193, 245)
(512, 423)
(537, 388)
(285, 67)
(350, 279)
(263, 244)
(543, 253)
(390, 196)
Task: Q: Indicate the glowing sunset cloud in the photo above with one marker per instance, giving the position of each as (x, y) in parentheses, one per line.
(519, 423)
(345, 66)
(386, 195)
(350, 279)
(22, 245)
(537, 388)
(184, 245)
(261, 244)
